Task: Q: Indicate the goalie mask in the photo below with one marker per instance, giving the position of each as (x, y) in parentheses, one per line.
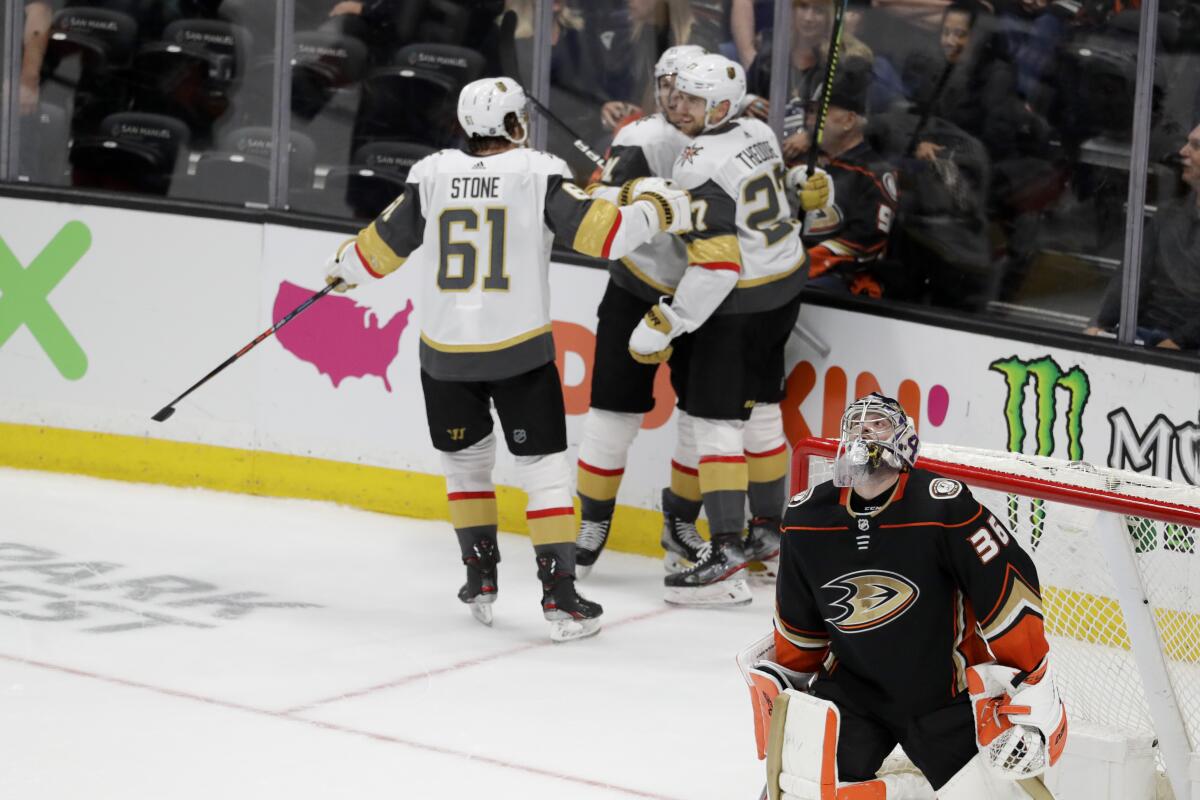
(484, 104)
(875, 434)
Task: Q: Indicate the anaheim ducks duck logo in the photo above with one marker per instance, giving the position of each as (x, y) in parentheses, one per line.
(870, 599)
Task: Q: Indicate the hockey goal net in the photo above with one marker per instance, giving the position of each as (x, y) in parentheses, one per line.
(1117, 559)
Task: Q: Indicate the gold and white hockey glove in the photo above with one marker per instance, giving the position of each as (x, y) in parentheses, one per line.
(650, 342)
(346, 264)
(1020, 730)
(813, 192)
(672, 205)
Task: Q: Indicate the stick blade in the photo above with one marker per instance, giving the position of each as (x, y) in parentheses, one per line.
(163, 414)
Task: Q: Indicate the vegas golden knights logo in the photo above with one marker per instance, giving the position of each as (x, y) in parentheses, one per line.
(870, 599)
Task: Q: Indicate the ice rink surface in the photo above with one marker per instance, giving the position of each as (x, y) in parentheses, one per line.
(181, 643)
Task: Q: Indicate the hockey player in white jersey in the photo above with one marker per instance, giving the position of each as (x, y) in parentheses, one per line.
(479, 225)
(737, 302)
(622, 388)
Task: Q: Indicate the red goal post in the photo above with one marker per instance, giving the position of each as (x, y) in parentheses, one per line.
(1118, 557)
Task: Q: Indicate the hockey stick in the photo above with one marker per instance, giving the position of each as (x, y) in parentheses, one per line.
(508, 64)
(927, 110)
(166, 411)
(831, 64)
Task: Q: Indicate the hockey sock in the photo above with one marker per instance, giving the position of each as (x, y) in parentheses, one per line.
(607, 436)
(471, 494)
(550, 512)
(682, 500)
(723, 475)
(766, 461)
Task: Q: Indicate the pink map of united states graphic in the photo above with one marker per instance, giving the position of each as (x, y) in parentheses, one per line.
(338, 336)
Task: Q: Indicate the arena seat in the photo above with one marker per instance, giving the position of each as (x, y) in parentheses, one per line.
(239, 171)
(134, 151)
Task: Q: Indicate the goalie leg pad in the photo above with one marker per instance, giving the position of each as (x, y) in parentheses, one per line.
(976, 782)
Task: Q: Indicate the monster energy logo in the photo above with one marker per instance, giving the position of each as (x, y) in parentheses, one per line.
(1047, 379)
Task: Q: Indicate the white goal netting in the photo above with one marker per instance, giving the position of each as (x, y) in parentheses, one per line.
(1053, 507)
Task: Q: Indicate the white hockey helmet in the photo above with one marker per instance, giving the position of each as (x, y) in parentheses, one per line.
(674, 57)
(484, 104)
(875, 432)
(716, 79)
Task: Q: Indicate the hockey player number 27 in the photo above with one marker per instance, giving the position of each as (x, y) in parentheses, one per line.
(466, 254)
(760, 220)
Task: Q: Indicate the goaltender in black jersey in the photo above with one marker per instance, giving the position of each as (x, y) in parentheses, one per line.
(905, 609)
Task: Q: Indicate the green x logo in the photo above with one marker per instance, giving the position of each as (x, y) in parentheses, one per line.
(24, 293)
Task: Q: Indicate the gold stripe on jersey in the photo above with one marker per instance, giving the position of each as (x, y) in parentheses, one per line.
(593, 232)
(805, 641)
(646, 279)
(473, 513)
(746, 284)
(486, 348)
(1019, 597)
(719, 252)
(381, 257)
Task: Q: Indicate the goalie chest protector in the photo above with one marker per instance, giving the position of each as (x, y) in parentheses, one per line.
(905, 596)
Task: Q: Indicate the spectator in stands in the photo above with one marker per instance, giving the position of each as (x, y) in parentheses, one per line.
(36, 37)
(811, 24)
(746, 19)
(576, 59)
(656, 25)
(1169, 289)
(847, 242)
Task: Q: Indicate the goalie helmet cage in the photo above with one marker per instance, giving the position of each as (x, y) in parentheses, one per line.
(1117, 559)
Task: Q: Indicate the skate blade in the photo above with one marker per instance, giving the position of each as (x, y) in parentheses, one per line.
(568, 630)
(722, 594)
(582, 570)
(673, 563)
(763, 573)
(481, 608)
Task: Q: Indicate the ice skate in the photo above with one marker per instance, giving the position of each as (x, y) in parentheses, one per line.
(714, 580)
(682, 542)
(593, 535)
(761, 548)
(479, 592)
(570, 615)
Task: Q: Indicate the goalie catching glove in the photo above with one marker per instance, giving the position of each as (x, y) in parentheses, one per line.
(672, 204)
(650, 342)
(1020, 720)
(346, 265)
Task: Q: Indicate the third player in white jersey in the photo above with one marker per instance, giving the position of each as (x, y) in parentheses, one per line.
(731, 315)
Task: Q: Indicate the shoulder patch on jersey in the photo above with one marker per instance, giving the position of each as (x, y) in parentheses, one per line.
(800, 499)
(889, 186)
(944, 488)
